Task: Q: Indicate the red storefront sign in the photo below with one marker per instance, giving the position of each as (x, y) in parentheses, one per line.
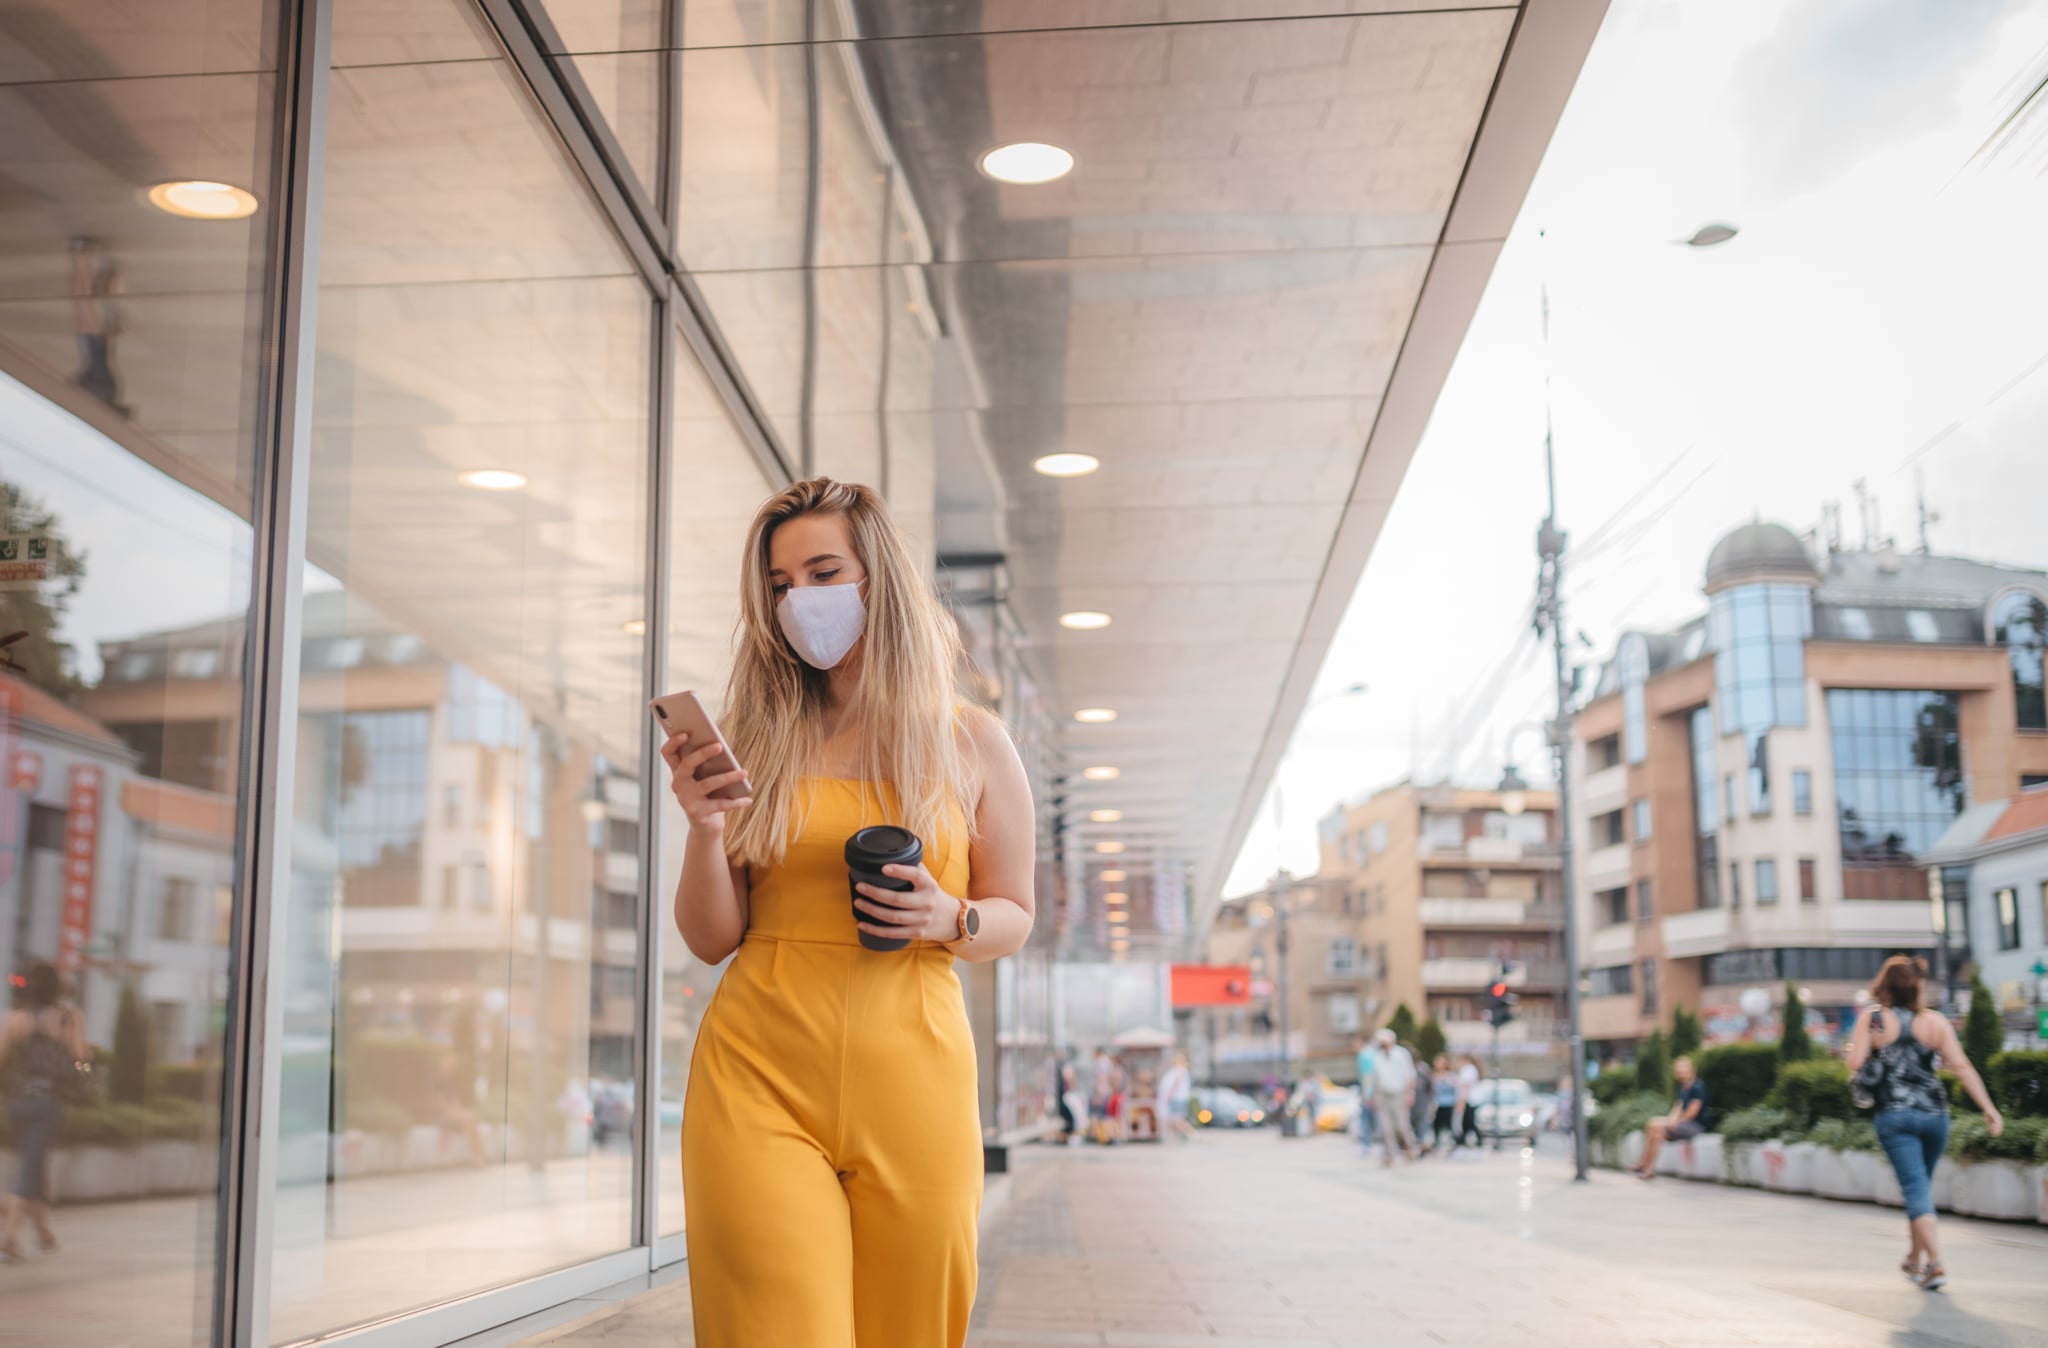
(1212, 984)
(25, 770)
(81, 857)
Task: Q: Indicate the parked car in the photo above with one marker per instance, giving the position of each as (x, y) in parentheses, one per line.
(1338, 1109)
(1506, 1108)
(1546, 1110)
(1222, 1107)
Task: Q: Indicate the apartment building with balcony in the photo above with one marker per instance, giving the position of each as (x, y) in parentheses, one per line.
(1420, 894)
(1755, 790)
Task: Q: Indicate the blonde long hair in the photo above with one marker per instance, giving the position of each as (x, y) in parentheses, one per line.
(904, 700)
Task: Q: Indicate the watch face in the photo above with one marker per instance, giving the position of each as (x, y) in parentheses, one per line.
(972, 921)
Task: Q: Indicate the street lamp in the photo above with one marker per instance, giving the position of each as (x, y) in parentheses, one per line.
(1281, 878)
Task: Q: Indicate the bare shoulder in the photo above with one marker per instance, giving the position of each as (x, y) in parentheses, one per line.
(988, 738)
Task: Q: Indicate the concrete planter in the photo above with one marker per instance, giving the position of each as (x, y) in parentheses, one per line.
(1743, 1163)
(1789, 1168)
(177, 1167)
(95, 1174)
(1845, 1175)
(2041, 1194)
(1631, 1151)
(1944, 1187)
(1886, 1190)
(1701, 1158)
(2000, 1189)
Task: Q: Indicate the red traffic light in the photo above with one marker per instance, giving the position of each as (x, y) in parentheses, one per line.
(1497, 990)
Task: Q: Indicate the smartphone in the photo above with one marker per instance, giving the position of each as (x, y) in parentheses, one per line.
(683, 711)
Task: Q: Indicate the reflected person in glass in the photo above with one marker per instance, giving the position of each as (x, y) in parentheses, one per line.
(832, 1154)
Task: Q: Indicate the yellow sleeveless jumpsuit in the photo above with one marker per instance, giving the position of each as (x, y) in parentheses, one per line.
(831, 1129)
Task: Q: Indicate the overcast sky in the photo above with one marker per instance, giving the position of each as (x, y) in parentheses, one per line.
(1878, 317)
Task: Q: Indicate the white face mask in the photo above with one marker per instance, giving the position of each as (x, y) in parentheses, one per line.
(822, 621)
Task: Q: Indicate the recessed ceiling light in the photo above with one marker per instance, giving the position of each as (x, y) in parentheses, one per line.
(493, 479)
(199, 200)
(1104, 773)
(1095, 715)
(1110, 849)
(1115, 897)
(636, 626)
(1112, 877)
(1105, 816)
(1118, 917)
(1027, 162)
(1067, 465)
(1084, 620)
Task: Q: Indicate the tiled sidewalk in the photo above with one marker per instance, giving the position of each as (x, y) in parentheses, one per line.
(1259, 1242)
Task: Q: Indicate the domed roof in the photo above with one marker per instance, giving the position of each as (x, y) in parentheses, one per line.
(1757, 549)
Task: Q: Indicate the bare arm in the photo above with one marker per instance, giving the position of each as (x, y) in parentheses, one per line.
(1859, 1042)
(1001, 861)
(1951, 1049)
(711, 896)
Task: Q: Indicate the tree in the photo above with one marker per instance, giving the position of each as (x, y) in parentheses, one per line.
(131, 1051)
(1403, 1024)
(1983, 1028)
(1653, 1065)
(1686, 1035)
(1429, 1040)
(38, 611)
(1794, 1043)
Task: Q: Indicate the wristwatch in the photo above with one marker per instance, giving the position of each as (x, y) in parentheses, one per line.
(970, 923)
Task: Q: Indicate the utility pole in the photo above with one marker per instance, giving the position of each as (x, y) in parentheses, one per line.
(1550, 545)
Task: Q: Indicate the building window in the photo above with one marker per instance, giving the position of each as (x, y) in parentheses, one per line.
(1603, 753)
(1649, 987)
(1617, 980)
(1633, 659)
(1734, 884)
(1608, 829)
(1343, 957)
(1706, 817)
(174, 912)
(2020, 624)
(1343, 1011)
(1612, 905)
(1952, 917)
(451, 805)
(1809, 883)
(1766, 880)
(1802, 791)
(1376, 837)
(2008, 902)
(1760, 776)
(1898, 784)
(1646, 908)
(1642, 821)
(1734, 806)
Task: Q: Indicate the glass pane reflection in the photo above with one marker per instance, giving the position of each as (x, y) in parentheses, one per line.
(131, 349)
(459, 1022)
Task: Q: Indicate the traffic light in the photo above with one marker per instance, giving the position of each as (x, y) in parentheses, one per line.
(1500, 1003)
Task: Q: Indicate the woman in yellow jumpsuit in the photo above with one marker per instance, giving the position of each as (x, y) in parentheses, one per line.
(831, 1132)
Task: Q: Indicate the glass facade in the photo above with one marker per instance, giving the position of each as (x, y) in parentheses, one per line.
(1759, 633)
(384, 397)
(1706, 814)
(1899, 784)
(2020, 624)
(1633, 656)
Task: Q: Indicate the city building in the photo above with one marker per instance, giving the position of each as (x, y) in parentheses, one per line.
(1991, 872)
(1423, 896)
(386, 392)
(1755, 791)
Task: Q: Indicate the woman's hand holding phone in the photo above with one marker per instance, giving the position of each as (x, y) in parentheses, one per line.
(706, 811)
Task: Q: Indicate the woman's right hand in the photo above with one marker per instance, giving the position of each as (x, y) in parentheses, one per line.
(707, 812)
(1994, 1122)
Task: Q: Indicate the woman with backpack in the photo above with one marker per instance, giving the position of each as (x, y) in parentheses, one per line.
(41, 1048)
(1894, 1054)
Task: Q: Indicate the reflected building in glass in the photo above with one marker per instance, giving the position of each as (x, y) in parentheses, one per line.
(1820, 728)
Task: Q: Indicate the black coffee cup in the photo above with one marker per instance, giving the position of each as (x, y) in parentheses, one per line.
(866, 853)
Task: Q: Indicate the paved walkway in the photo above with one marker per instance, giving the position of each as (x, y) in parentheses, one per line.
(1262, 1242)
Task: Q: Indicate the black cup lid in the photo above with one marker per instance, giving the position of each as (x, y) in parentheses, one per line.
(884, 845)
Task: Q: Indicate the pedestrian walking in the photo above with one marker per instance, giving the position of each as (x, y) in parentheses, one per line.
(44, 1056)
(1176, 1084)
(832, 1162)
(1468, 1103)
(1393, 1077)
(1444, 1084)
(1422, 1104)
(1368, 1120)
(1687, 1119)
(1072, 1102)
(1907, 1043)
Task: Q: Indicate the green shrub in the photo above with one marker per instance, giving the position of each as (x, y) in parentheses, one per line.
(179, 1121)
(104, 1125)
(2018, 1082)
(194, 1081)
(129, 1080)
(1813, 1090)
(1627, 1115)
(1959, 1099)
(1429, 1040)
(1794, 1043)
(1614, 1082)
(1738, 1076)
(2024, 1140)
(1686, 1035)
(379, 1116)
(1402, 1023)
(1845, 1135)
(1759, 1123)
(1653, 1065)
(1983, 1028)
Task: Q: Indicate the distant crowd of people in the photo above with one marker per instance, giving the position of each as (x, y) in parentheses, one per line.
(1112, 1099)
